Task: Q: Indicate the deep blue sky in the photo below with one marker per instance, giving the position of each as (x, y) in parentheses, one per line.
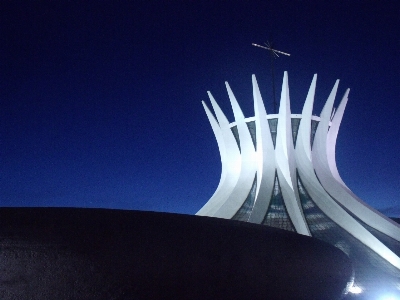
(101, 102)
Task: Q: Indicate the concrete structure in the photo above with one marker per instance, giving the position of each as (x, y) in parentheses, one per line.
(97, 254)
(280, 170)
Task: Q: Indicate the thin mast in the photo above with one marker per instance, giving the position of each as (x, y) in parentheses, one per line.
(273, 53)
(273, 80)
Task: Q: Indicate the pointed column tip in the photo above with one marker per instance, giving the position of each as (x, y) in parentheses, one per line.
(285, 81)
(346, 95)
(254, 80)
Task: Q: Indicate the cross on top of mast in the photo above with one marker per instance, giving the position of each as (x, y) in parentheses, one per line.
(274, 54)
(274, 51)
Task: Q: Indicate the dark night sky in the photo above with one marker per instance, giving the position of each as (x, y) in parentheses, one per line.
(101, 101)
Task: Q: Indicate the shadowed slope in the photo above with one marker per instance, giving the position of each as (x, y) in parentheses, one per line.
(66, 253)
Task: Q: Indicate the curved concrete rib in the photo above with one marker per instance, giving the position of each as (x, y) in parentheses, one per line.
(332, 182)
(217, 196)
(303, 154)
(316, 168)
(336, 119)
(265, 158)
(285, 162)
(319, 151)
(310, 181)
(230, 159)
(303, 144)
(248, 163)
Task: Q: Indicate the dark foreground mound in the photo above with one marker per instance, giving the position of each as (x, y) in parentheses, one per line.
(67, 253)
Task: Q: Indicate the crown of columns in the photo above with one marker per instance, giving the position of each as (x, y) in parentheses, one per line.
(291, 158)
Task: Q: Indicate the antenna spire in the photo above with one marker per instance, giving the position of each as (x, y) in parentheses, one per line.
(274, 54)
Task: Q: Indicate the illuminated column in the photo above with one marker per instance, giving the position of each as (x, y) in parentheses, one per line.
(249, 169)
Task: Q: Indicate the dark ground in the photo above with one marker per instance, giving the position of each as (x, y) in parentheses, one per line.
(66, 253)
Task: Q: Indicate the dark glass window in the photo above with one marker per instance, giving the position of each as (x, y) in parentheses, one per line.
(389, 242)
(277, 215)
(243, 214)
(372, 272)
(314, 125)
(252, 129)
(273, 125)
(295, 129)
(236, 135)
